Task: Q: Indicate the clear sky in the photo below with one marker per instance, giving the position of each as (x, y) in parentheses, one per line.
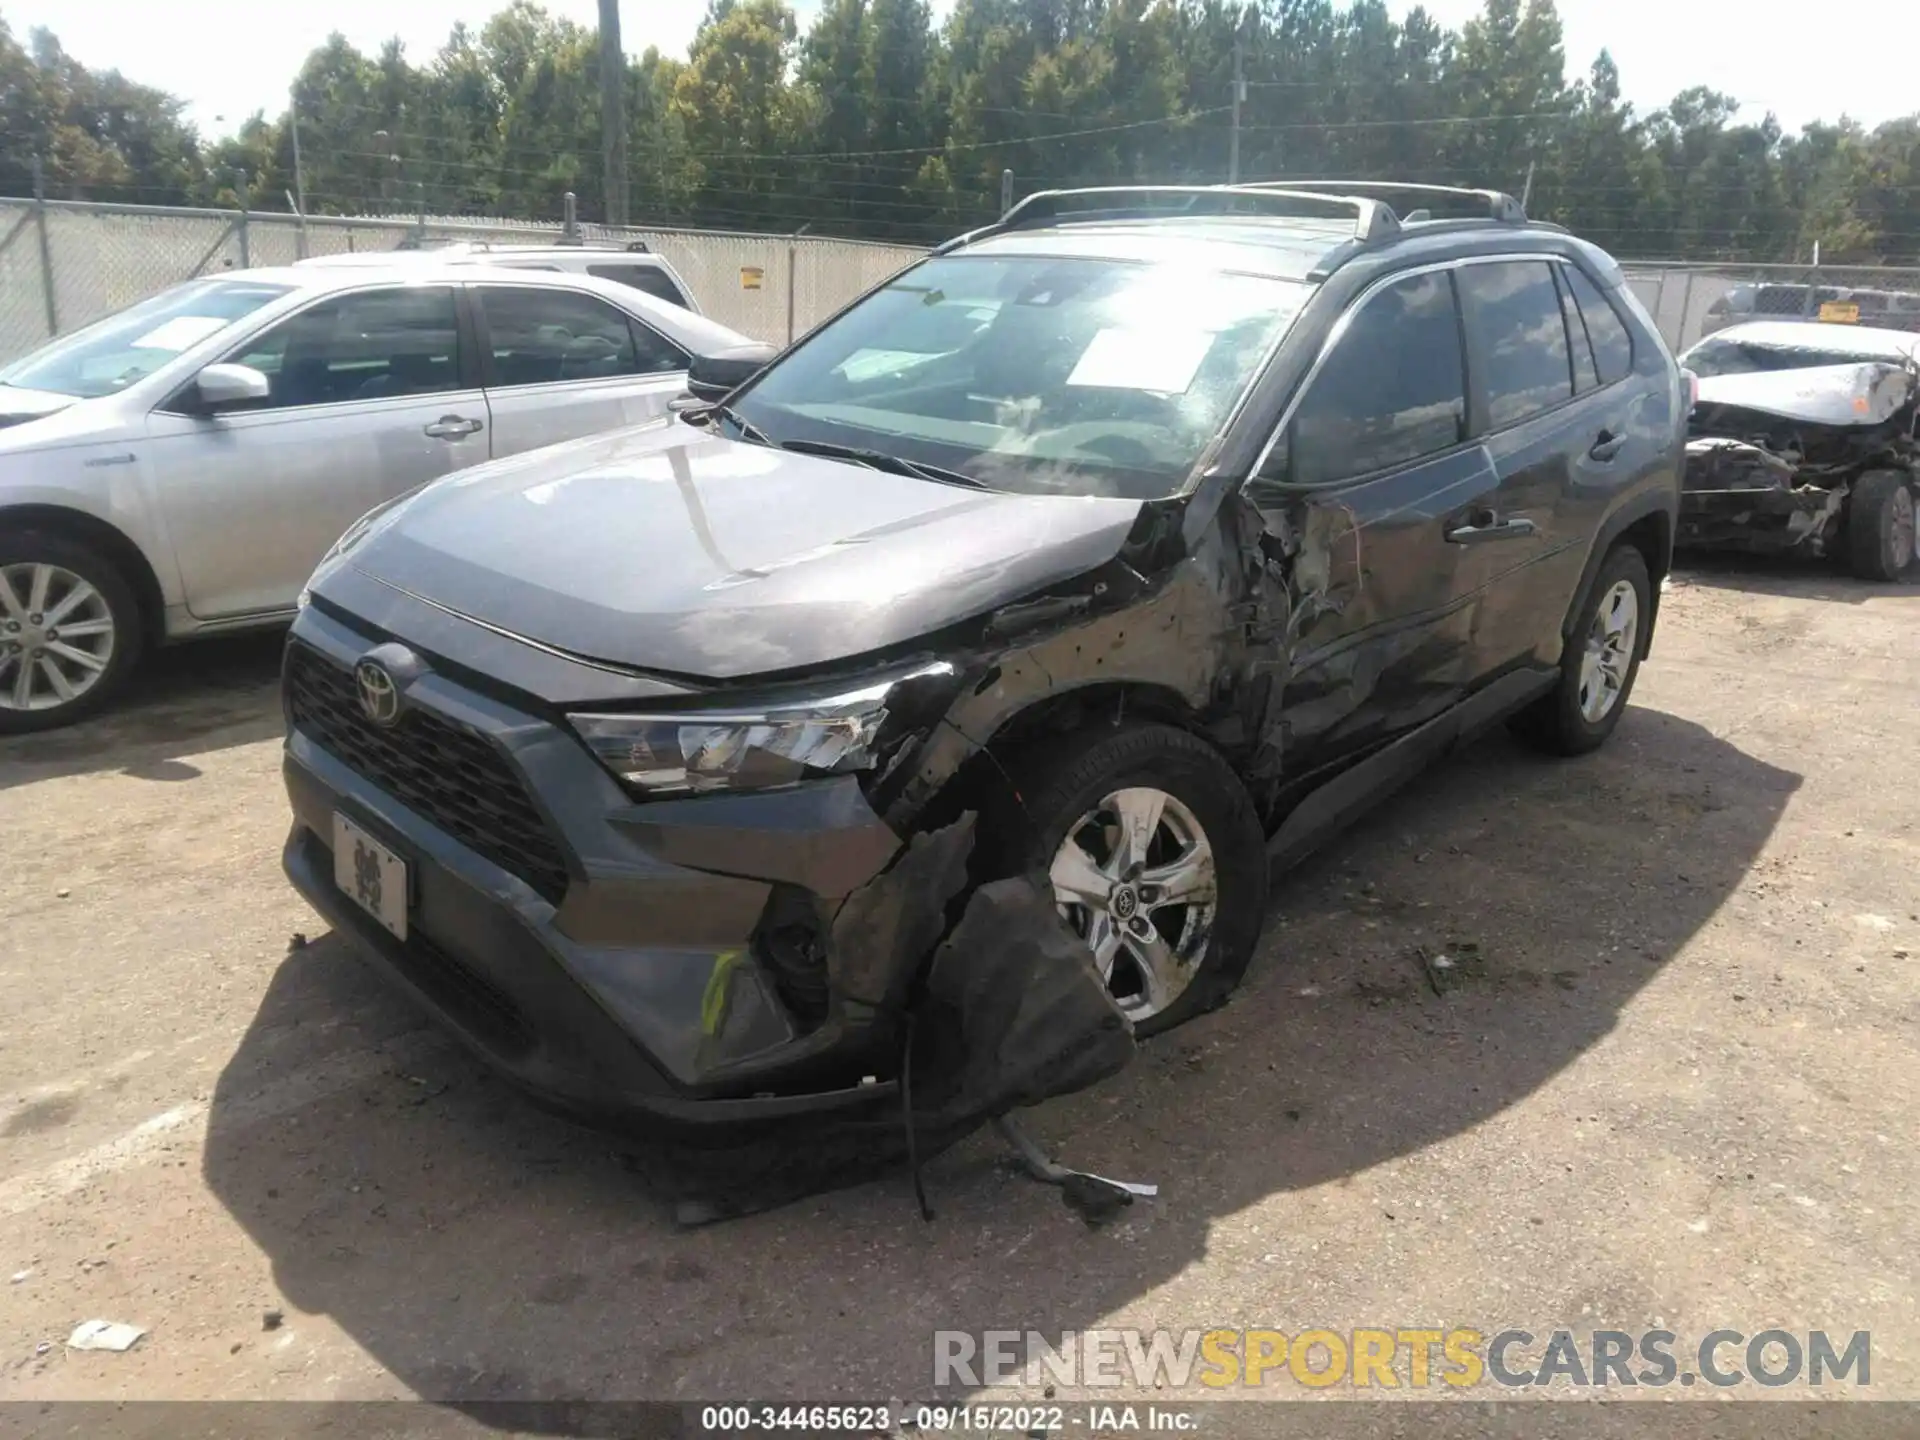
(231, 57)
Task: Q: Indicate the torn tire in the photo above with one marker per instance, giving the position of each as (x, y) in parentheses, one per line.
(1880, 526)
(1154, 854)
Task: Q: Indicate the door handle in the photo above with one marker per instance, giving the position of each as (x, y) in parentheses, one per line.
(453, 427)
(1607, 446)
(1483, 526)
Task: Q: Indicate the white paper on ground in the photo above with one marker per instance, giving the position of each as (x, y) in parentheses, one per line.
(104, 1335)
(1163, 360)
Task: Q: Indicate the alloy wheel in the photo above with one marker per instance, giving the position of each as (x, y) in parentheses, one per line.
(1611, 642)
(1135, 878)
(57, 636)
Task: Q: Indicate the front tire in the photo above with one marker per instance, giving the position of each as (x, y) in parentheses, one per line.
(1599, 664)
(1156, 856)
(1880, 526)
(70, 632)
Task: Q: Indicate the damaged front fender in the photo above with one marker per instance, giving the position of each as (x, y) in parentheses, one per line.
(1201, 637)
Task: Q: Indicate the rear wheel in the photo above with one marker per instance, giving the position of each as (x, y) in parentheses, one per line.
(1598, 665)
(1156, 858)
(1880, 526)
(69, 632)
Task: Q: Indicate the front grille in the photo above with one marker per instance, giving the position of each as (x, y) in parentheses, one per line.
(444, 772)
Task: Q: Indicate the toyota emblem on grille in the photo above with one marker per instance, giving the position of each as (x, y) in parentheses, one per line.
(379, 696)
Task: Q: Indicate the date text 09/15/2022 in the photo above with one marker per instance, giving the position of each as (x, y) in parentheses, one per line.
(983, 1419)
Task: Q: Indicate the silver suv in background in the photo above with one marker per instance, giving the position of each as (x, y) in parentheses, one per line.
(180, 468)
(633, 265)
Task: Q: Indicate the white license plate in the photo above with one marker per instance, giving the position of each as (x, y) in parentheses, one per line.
(370, 875)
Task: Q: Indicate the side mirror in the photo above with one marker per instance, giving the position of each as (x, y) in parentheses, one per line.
(716, 375)
(223, 386)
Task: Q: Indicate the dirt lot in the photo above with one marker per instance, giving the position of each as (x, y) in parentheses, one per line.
(1672, 1089)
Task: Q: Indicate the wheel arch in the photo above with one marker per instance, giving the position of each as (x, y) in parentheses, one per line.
(112, 542)
(983, 779)
(1101, 702)
(1647, 526)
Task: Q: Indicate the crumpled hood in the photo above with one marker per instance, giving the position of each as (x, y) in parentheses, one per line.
(670, 549)
(1846, 395)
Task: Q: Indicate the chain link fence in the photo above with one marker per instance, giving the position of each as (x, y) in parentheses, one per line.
(96, 259)
(64, 264)
(23, 287)
(1689, 301)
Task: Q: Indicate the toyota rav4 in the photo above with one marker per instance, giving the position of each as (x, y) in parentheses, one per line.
(1122, 549)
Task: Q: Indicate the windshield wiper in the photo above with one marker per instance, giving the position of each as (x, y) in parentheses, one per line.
(881, 460)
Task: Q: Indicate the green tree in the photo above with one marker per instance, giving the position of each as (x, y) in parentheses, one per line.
(739, 114)
(877, 123)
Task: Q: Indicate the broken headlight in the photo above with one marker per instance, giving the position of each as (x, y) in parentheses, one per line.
(765, 747)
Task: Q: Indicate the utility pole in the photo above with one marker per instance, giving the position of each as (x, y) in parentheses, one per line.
(1526, 190)
(246, 204)
(613, 112)
(46, 247)
(1239, 94)
(299, 175)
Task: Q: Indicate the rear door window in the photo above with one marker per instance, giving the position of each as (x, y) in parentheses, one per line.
(543, 335)
(1612, 341)
(1517, 335)
(1390, 392)
(648, 279)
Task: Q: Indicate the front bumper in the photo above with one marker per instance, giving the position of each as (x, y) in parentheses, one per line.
(631, 982)
(1741, 497)
(1804, 521)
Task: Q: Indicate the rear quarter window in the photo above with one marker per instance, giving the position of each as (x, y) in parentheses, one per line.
(647, 279)
(1612, 341)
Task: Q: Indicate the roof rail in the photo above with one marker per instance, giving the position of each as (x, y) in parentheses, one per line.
(1484, 204)
(1369, 218)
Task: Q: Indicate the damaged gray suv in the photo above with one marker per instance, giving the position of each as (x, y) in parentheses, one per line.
(965, 673)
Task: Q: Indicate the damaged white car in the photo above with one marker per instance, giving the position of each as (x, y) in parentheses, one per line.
(1803, 440)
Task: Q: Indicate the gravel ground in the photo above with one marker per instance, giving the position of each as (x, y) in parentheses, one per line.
(1670, 1088)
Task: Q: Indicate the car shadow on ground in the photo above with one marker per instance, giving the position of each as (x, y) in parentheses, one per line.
(1791, 577)
(481, 1251)
(185, 700)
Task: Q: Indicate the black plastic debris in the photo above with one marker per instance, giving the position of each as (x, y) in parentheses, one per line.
(1013, 1011)
(1094, 1198)
(885, 928)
